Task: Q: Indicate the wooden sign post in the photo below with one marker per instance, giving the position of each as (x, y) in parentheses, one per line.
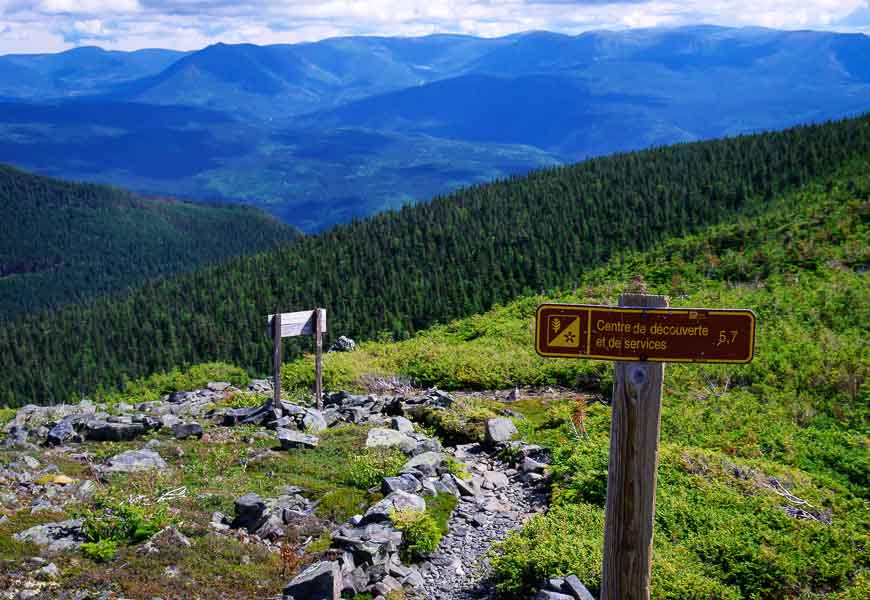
(306, 322)
(642, 333)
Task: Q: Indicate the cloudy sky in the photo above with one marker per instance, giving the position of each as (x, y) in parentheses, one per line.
(53, 25)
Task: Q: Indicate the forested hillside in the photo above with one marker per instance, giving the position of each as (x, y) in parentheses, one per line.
(63, 242)
(403, 270)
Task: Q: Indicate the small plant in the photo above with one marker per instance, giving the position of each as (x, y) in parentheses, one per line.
(369, 468)
(420, 533)
(457, 468)
(101, 551)
(245, 400)
(7, 414)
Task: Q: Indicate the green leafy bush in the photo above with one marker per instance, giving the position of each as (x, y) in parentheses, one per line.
(420, 533)
(368, 468)
(121, 520)
(7, 414)
(101, 551)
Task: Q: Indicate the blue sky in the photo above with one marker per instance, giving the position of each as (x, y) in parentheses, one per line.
(53, 25)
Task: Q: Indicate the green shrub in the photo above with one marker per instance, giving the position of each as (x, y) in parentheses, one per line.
(567, 540)
(420, 533)
(101, 551)
(246, 400)
(121, 520)
(7, 414)
(371, 466)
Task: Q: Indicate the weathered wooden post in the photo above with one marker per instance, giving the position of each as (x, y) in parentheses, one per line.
(306, 322)
(631, 473)
(642, 333)
(276, 358)
(319, 325)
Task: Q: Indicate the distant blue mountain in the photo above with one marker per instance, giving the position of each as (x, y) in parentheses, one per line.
(319, 132)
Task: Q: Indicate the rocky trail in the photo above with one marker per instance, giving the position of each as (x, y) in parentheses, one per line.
(508, 497)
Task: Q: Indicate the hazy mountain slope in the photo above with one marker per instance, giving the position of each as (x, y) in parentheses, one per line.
(84, 70)
(404, 270)
(63, 242)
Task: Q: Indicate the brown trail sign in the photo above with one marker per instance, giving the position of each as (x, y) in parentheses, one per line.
(306, 322)
(642, 333)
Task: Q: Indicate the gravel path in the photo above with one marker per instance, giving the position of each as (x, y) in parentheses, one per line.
(458, 570)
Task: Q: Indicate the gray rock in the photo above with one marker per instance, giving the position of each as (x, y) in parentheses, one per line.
(389, 438)
(548, 595)
(133, 461)
(380, 511)
(496, 479)
(530, 465)
(84, 490)
(218, 386)
(294, 439)
(48, 572)
(320, 581)
(250, 512)
(575, 588)
(104, 431)
(63, 433)
(54, 538)
(248, 416)
(426, 459)
(168, 537)
(313, 421)
(168, 420)
(402, 483)
(468, 487)
(499, 429)
(343, 344)
(402, 425)
(182, 431)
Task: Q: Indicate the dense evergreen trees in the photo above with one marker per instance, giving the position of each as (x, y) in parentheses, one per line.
(63, 242)
(403, 270)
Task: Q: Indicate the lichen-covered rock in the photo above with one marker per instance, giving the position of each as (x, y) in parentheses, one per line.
(182, 431)
(499, 429)
(133, 461)
(54, 538)
(390, 438)
(396, 501)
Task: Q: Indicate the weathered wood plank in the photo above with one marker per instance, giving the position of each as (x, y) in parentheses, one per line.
(298, 323)
(631, 475)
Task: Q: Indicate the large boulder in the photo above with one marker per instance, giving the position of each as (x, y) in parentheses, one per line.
(294, 439)
(62, 433)
(402, 424)
(250, 512)
(54, 538)
(498, 430)
(427, 462)
(402, 483)
(320, 581)
(380, 511)
(390, 438)
(133, 461)
(104, 431)
(313, 421)
(182, 431)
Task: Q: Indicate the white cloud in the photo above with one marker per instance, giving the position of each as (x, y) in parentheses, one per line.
(188, 24)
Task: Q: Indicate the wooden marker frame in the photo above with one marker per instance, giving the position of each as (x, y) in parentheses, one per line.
(305, 322)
